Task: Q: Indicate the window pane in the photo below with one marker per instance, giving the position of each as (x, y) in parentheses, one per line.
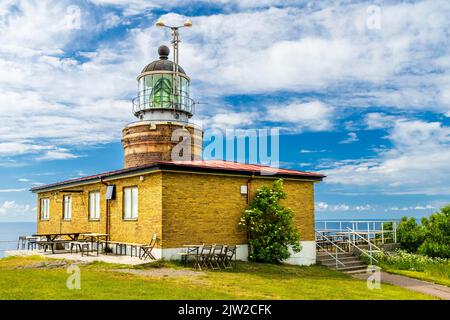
(45, 209)
(134, 203)
(42, 208)
(97, 205)
(127, 203)
(91, 205)
(69, 205)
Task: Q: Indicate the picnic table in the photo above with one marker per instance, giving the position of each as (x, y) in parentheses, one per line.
(51, 238)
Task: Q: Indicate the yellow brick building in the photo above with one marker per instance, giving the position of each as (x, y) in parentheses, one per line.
(181, 202)
(167, 190)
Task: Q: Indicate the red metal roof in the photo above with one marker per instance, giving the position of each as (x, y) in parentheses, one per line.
(204, 165)
(229, 165)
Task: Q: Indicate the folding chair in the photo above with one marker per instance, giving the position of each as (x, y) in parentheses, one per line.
(216, 256)
(21, 242)
(146, 251)
(228, 257)
(206, 256)
(32, 243)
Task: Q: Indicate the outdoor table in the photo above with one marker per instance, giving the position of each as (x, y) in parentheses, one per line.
(51, 238)
(193, 250)
(95, 237)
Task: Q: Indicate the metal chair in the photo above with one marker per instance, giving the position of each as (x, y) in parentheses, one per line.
(146, 251)
(32, 243)
(21, 243)
(217, 256)
(206, 256)
(228, 257)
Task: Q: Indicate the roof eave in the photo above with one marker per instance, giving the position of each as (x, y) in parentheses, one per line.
(171, 166)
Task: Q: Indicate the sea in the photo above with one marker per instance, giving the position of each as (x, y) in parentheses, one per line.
(10, 233)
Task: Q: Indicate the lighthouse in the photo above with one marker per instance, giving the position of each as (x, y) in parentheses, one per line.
(163, 108)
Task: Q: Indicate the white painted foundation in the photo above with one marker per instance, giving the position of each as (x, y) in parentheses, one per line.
(306, 257)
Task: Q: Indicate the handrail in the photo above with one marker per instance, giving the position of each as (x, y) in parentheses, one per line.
(336, 258)
(377, 227)
(367, 253)
(145, 102)
(356, 233)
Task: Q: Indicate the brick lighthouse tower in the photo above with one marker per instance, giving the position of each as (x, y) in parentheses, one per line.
(163, 108)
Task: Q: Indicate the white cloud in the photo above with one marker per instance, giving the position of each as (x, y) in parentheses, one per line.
(53, 97)
(351, 137)
(417, 162)
(341, 207)
(12, 190)
(311, 151)
(60, 154)
(312, 116)
(378, 120)
(13, 211)
(232, 120)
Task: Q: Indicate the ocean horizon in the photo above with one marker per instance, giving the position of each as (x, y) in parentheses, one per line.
(10, 233)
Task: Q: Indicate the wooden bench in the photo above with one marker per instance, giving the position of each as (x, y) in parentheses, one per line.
(122, 247)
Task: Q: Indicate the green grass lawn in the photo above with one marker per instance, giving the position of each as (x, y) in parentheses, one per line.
(249, 281)
(426, 275)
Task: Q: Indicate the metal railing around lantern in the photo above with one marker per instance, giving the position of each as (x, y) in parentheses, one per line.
(148, 102)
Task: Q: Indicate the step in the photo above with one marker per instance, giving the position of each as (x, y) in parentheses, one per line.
(346, 263)
(356, 271)
(342, 258)
(341, 254)
(362, 268)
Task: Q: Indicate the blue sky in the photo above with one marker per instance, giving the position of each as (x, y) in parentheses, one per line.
(360, 90)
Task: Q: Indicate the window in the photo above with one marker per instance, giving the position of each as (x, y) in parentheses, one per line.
(45, 209)
(94, 205)
(67, 207)
(130, 203)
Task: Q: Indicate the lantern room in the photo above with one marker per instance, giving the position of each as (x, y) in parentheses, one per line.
(163, 91)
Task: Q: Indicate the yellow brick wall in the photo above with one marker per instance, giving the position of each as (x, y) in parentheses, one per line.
(181, 208)
(207, 208)
(138, 231)
(300, 198)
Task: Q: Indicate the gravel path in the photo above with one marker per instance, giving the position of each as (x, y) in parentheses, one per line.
(425, 287)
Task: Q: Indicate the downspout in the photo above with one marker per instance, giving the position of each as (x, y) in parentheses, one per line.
(249, 187)
(107, 226)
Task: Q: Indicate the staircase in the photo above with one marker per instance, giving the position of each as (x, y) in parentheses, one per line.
(351, 263)
(343, 252)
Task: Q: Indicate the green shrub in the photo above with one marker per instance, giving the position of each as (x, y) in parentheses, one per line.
(436, 241)
(410, 235)
(269, 226)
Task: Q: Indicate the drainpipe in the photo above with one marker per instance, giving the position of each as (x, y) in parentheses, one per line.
(249, 186)
(107, 226)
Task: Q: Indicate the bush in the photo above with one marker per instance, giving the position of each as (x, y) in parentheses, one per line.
(269, 226)
(431, 238)
(437, 234)
(410, 235)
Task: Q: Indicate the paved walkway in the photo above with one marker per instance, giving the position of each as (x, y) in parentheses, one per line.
(429, 288)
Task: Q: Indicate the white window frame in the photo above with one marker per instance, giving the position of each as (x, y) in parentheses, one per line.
(130, 203)
(94, 205)
(67, 207)
(45, 209)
